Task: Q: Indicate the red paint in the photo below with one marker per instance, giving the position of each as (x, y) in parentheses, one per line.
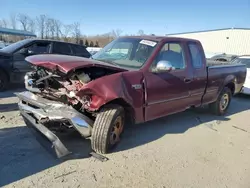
(66, 63)
(161, 94)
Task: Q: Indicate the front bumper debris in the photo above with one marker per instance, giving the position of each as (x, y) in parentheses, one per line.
(38, 113)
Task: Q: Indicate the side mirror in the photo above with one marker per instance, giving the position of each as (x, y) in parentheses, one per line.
(164, 66)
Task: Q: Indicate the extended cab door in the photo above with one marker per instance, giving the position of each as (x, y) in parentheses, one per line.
(199, 72)
(168, 92)
(20, 66)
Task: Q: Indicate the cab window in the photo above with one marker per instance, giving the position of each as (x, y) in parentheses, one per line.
(195, 55)
(172, 53)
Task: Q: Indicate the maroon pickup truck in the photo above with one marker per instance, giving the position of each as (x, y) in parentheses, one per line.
(131, 80)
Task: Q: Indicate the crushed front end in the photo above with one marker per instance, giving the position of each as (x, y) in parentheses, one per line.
(63, 95)
(50, 106)
(46, 118)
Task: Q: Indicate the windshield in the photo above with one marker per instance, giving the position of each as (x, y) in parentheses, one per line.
(245, 61)
(126, 52)
(13, 47)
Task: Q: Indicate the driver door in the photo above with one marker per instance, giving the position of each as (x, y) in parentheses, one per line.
(20, 66)
(167, 92)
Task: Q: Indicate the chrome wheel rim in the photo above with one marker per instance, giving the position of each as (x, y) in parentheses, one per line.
(224, 101)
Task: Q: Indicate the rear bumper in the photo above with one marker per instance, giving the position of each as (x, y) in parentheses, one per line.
(39, 114)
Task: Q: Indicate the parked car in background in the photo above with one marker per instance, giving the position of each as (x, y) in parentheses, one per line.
(2, 44)
(131, 80)
(13, 66)
(8, 43)
(223, 57)
(209, 55)
(93, 50)
(244, 59)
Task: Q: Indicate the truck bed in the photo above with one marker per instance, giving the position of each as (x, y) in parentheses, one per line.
(220, 73)
(211, 62)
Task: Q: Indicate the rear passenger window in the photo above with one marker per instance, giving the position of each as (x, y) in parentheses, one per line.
(61, 48)
(195, 56)
(80, 51)
(39, 47)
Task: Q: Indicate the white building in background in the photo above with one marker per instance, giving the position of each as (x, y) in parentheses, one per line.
(228, 40)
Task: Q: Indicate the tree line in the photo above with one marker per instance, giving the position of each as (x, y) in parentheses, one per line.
(46, 27)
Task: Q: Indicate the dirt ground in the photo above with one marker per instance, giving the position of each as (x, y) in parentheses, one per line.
(191, 149)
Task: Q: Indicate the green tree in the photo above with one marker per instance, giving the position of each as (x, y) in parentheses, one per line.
(86, 43)
(91, 44)
(96, 44)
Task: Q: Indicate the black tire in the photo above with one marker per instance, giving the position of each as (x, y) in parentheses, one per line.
(4, 81)
(104, 127)
(216, 107)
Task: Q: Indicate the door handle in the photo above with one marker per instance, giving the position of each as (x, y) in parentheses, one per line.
(187, 80)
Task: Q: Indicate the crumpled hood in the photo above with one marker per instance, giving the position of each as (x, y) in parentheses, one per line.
(66, 63)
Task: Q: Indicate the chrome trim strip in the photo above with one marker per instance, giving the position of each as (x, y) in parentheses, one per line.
(212, 90)
(168, 100)
(223, 66)
(195, 94)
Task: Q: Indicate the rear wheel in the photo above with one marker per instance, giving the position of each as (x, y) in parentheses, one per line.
(3, 81)
(220, 106)
(107, 129)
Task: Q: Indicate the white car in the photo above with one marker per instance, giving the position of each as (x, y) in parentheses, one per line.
(2, 45)
(245, 59)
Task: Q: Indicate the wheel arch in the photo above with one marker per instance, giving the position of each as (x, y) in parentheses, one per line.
(129, 110)
(230, 82)
(231, 86)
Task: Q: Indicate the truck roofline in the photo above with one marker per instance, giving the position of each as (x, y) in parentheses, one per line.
(161, 38)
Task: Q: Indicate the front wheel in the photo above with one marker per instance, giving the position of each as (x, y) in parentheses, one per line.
(107, 129)
(220, 106)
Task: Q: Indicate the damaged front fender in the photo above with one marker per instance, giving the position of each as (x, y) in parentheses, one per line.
(117, 86)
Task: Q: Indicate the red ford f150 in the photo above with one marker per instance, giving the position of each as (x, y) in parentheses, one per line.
(132, 79)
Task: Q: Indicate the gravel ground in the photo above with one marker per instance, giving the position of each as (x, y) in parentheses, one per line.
(190, 149)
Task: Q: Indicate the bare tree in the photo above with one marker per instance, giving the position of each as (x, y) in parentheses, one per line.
(77, 31)
(41, 20)
(141, 32)
(32, 26)
(66, 31)
(58, 26)
(13, 21)
(116, 33)
(4, 23)
(47, 28)
(51, 27)
(24, 20)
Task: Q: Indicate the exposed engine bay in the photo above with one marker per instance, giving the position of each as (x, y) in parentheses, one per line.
(56, 86)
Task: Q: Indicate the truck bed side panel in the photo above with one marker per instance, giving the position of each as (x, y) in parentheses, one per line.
(221, 75)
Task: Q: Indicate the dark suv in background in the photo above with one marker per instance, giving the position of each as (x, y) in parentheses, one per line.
(13, 66)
